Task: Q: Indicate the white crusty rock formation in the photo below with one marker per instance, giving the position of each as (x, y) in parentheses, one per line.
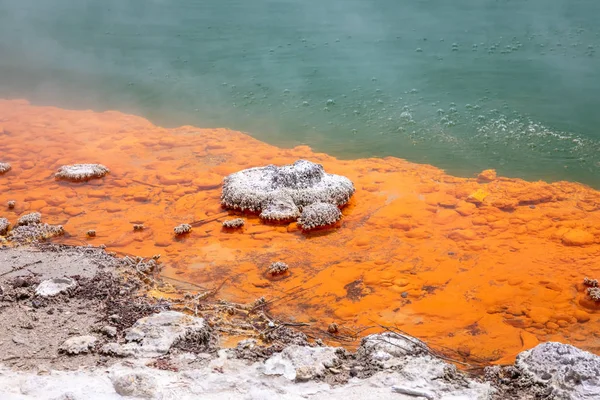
(281, 193)
(54, 286)
(572, 373)
(81, 172)
(4, 167)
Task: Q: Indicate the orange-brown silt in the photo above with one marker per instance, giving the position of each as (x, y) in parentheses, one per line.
(488, 266)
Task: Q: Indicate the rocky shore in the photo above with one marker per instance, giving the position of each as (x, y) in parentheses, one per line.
(78, 323)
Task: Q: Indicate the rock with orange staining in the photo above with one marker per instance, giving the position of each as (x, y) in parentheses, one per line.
(578, 237)
(506, 204)
(208, 181)
(96, 193)
(487, 176)
(173, 179)
(4, 167)
(37, 204)
(462, 234)
(73, 211)
(477, 197)
(81, 172)
(444, 217)
(27, 164)
(581, 316)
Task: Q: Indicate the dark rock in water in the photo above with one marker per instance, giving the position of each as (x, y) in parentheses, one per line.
(318, 215)
(281, 193)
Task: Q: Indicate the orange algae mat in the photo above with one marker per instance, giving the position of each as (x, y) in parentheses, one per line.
(487, 266)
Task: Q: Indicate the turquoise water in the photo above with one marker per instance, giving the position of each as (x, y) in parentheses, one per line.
(463, 85)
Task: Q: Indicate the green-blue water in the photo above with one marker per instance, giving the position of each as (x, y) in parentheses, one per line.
(464, 85)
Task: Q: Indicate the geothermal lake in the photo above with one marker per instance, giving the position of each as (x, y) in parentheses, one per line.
(461, 85)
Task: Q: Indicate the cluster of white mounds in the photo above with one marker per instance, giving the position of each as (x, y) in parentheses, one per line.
(284, 193)
(233, 223)
(182, 229)
(29, 228)
(81, 172)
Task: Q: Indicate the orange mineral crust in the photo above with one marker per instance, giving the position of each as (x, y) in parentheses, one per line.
(486, 266)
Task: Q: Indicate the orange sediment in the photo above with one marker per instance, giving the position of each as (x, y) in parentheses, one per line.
(488, 266)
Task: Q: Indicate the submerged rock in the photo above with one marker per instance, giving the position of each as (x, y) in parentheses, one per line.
(81, 172)
(54, 286)
(572, 373)
(280, 193)
(4, 167)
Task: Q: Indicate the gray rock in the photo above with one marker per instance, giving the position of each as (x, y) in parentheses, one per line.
(117, 350)
(54, 286)
(318, 215)
(78, 344)
(279, 193)
(109, 331)
(300, 362)
(134, 334)
(571, 372)
(135, 384)
(393, 344)
(153, 336)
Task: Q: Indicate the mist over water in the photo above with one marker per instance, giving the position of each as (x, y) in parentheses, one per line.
(462, 85)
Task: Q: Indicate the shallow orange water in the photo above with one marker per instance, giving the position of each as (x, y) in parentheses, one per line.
(487, 268)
